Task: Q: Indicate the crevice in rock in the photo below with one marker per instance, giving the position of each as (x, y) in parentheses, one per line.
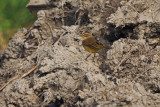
(126, 102)
(82, 17)
(14, 104)
(157, 91)
(43, 74)
(56, 103)
(86, 82)
(46, 73)
(113, 34)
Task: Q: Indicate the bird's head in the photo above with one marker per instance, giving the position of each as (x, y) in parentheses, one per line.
(86, 35)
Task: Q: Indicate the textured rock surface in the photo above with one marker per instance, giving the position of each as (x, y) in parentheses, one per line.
(125, 73)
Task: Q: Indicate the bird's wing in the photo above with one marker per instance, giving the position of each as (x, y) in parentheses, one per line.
(90, 42)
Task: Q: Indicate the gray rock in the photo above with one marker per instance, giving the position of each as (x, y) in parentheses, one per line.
(124, 73)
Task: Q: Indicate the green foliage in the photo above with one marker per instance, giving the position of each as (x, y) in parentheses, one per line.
(13, 15)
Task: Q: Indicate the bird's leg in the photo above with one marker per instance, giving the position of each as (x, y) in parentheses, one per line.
(87, 57)
(93, 57)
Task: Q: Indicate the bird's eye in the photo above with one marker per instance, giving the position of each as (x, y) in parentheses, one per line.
(86, 34)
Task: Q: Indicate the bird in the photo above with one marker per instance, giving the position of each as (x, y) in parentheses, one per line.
(90, 44)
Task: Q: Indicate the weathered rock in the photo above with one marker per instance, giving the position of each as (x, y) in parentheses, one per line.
(124, 73)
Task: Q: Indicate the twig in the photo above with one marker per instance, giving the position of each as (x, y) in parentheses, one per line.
(110, 6)
(63, 12)
(133, 9)
(54, 41)
(21, 76)
(125, 58)
(50, 29)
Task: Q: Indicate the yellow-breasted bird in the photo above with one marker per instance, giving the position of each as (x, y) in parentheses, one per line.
(90, 44)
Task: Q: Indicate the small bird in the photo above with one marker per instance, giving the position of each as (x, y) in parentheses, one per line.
(90, 44)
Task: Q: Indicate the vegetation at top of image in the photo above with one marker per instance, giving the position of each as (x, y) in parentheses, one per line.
(13, 15)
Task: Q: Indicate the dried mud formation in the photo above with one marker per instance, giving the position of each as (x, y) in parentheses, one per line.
(125, 73)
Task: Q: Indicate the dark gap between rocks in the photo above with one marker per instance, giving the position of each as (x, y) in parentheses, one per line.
(13, 104)
(57, 103)
(113, 34)
(157, 91)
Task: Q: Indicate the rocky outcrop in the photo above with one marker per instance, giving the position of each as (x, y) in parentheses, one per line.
(125, 73)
